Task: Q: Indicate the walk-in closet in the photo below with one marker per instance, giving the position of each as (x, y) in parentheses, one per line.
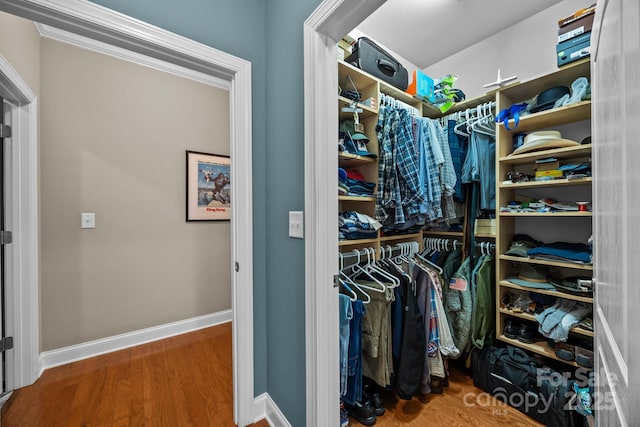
(465, 229)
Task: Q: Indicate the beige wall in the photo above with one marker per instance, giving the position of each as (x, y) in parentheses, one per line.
(113, 141)
(20, 45)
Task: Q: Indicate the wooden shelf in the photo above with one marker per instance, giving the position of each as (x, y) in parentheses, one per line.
(412, 236)
(550, 183)
(485, 235)
(539, 347)
(356, 242)
(530, 317)
(345, 102)
(559, 153)
(357, 198)
(347, 160)
(553, 117)
(563, 76)
(507, 284)
(548, 262)
(443, 233)
(548, 214)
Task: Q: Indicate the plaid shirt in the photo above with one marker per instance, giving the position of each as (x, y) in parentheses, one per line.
(399, 188)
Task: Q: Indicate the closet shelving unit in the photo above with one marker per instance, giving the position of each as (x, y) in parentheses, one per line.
(370, 86)
(573, 226)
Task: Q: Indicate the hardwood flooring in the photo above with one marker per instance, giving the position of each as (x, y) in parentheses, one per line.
(186, 380)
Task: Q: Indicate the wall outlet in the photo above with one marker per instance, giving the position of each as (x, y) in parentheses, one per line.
(88, 220)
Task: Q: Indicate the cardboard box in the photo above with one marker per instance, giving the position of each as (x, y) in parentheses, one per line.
(573, 29)
(422, 86)
(547, 166)
(485, 227)
(553, 173)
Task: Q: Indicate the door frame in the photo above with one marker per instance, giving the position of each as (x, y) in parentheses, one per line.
(104, 25)
(331, 20)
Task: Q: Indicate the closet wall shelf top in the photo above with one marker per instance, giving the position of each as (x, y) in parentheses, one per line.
(563, 76)
(507, 284)
(550, 183)
(412, 236)
(548, 214)
(443, 233)
(559, 153)
(554, 117)
(575, 266)
(540, 347)
(356, 242)
(357, 198)
(485, 235)
(348, 160)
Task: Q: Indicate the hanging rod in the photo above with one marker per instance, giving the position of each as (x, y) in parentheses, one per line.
(396, 103)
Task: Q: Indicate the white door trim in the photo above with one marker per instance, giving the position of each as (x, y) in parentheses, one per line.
(96, 22)
(22, 301)
(329, 22)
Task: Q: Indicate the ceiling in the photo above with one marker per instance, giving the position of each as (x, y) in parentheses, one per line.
(427, 31)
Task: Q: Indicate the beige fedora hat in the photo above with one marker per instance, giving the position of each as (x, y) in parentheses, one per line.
(543, 140)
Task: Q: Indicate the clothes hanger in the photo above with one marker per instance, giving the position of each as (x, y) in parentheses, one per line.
(429, 263)
(395, 282)
(357, 269)
(344, 277)
(350, 292)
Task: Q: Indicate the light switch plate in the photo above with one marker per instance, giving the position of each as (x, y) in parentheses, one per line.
(296, 224)
(88, 220)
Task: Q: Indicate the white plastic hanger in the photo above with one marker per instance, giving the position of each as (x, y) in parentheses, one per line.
(395, 282)
(357, 269)
(350, 292)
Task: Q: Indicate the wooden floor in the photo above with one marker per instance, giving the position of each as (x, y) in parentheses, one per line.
(187, 381)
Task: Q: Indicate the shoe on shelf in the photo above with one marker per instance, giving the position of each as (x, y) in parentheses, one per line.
(565, 351)
(364, 413)
(511, 329)
(528, 334)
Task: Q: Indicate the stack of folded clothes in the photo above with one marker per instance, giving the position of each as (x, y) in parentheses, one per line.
(526, 247)
(556, 321)
(352, 183)
(354, 225)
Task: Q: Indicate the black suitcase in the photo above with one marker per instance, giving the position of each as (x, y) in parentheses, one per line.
(371, 58)
(510, 375)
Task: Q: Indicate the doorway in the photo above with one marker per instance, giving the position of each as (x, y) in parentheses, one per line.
(95, 21)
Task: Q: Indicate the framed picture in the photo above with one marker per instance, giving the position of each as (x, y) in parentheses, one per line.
(208, 187)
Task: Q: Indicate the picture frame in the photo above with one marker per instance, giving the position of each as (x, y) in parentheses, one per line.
(208, 193)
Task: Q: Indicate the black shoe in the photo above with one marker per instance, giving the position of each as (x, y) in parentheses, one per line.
(528, 334)
(370, 393)
(363, 413)
(511, 329)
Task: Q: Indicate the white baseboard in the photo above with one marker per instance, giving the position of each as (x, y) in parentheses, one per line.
(265, 408)
(62, 356)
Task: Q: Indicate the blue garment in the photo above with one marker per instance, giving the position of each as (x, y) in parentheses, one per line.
(399, 193)
(346, 314)
(576, 252)
(486, 147)
(354, 368)
(430, 165)
(458, 147)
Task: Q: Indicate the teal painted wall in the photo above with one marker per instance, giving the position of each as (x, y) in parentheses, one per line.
(237, 27)
(270, 35)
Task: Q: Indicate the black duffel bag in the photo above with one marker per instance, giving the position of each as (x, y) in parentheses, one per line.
(513, 377)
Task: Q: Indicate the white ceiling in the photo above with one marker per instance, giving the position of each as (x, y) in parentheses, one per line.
(427, 31)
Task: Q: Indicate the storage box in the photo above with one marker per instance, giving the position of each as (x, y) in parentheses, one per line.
(574, 28)
(422, 86)
(547, 166)
(574, 49)
(553, 173)
(485, 227)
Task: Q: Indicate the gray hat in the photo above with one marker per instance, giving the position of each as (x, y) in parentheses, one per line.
(532, 276)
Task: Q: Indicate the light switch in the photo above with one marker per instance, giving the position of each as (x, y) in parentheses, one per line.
(296, 224)
(88, 220)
